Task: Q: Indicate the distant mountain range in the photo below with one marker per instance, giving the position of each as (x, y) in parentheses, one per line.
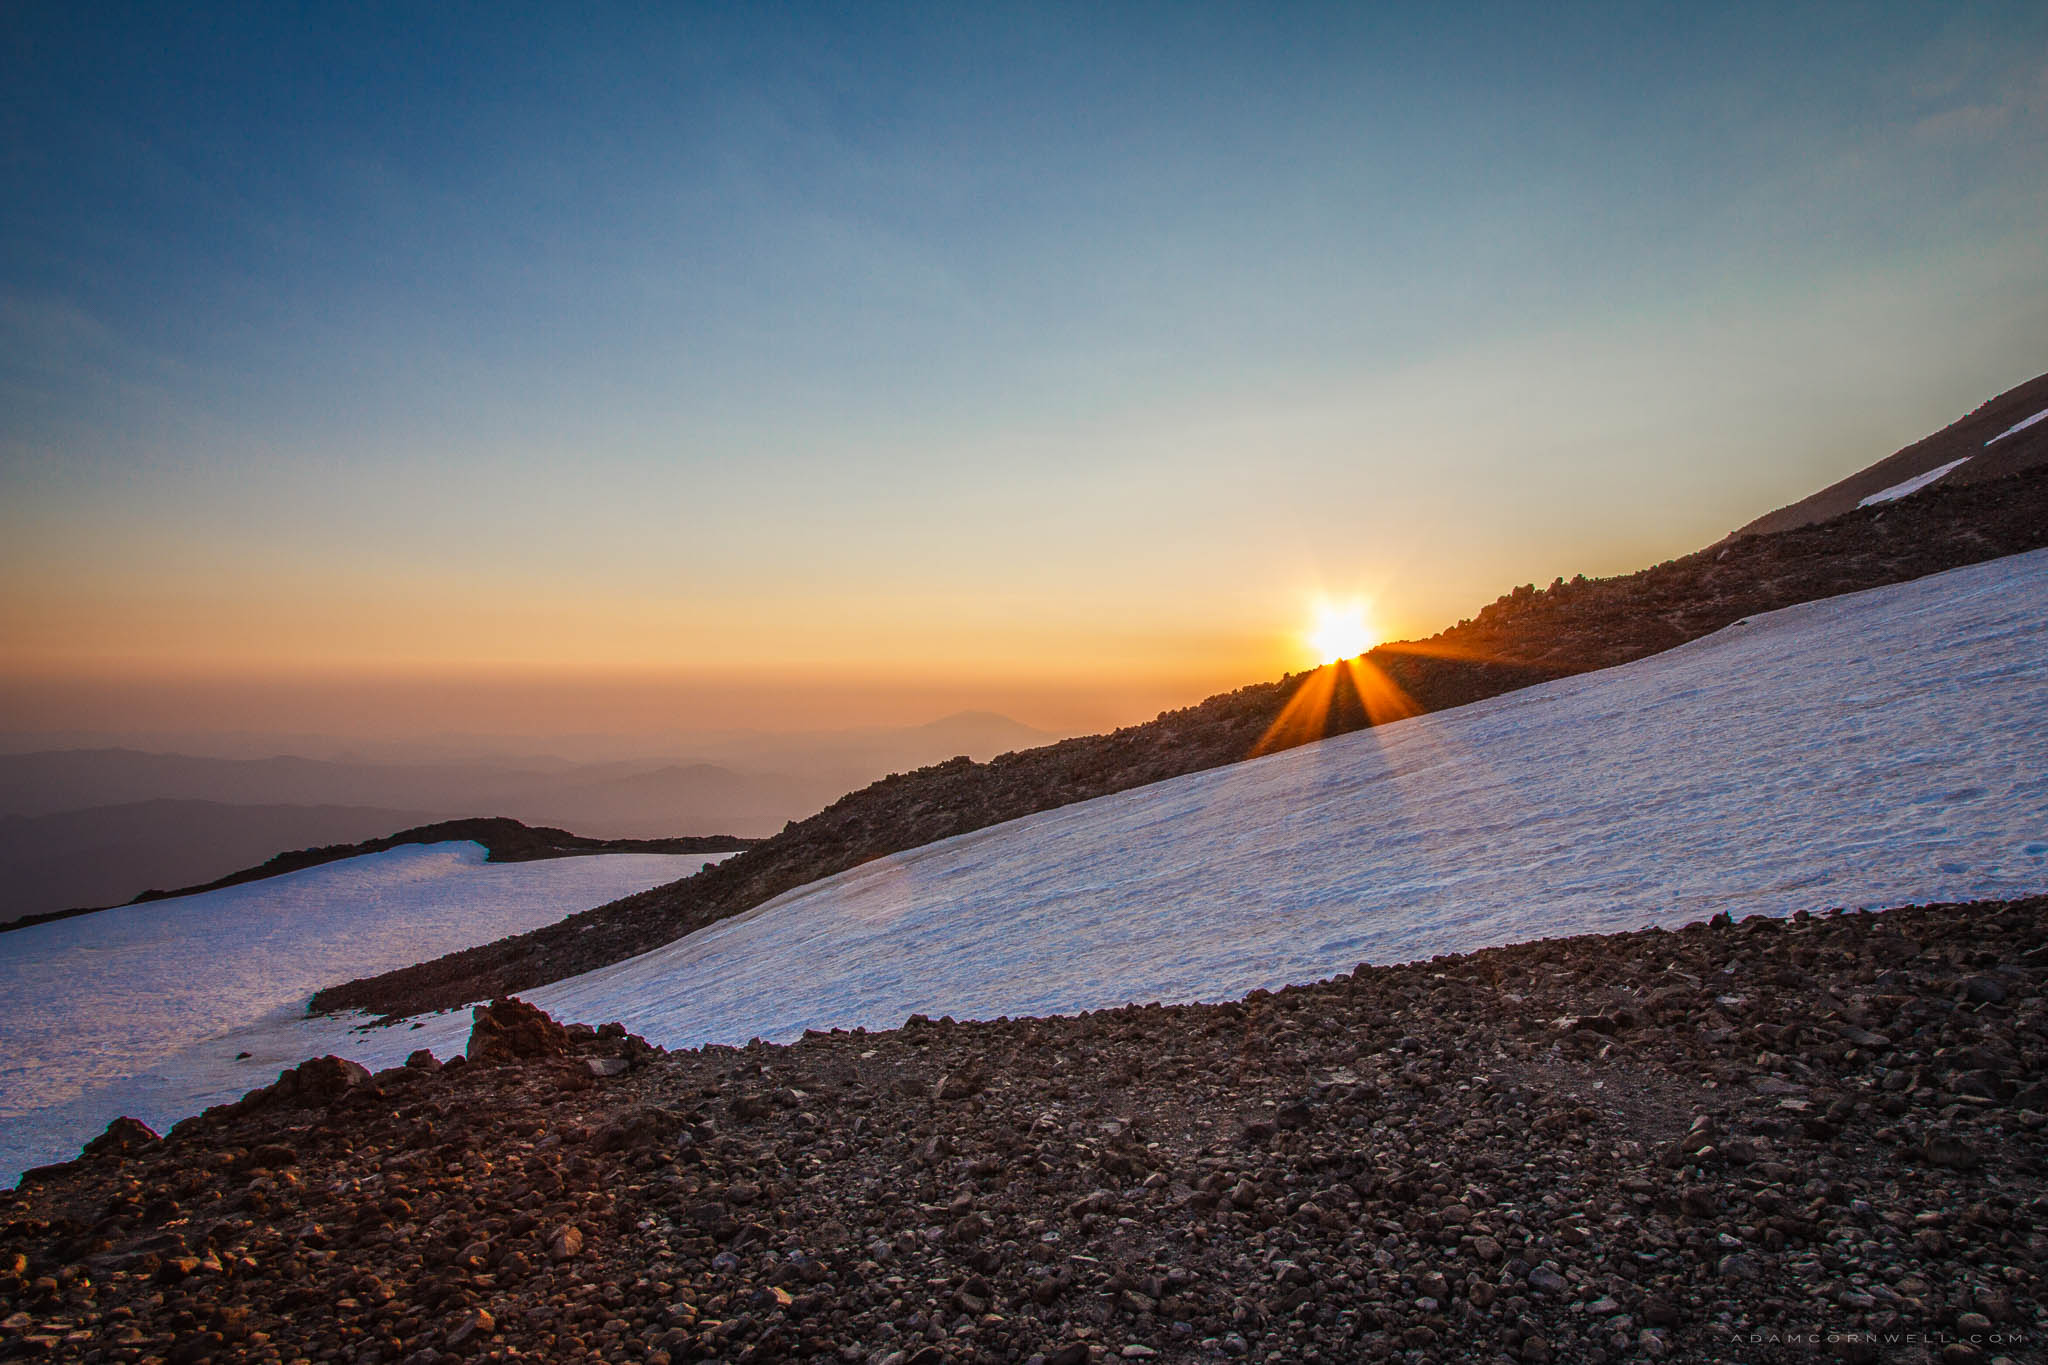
(84, 827)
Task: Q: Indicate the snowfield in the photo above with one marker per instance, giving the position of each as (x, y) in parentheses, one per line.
(1870, 750)
(107, 1014)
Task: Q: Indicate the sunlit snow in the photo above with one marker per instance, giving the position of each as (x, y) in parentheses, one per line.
(2018, 426)
(1912, 485)
(1870, 750)
(92, 1008)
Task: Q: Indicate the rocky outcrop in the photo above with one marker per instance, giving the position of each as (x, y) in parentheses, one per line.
(513, 1031)
(504, 840)
(123, 1137)
(1528, 636)
(1725, 1142)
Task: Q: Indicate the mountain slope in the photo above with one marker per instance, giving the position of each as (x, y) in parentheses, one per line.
(1526, 637)
(2004, 436)
(1873, 749)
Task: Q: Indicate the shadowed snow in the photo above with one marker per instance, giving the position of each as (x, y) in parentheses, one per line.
(91, 1008)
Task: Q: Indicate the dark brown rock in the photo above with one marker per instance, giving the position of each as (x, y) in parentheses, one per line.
(123, 1137)
(510, 1030)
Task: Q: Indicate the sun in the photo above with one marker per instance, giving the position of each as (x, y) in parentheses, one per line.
(1341, 631)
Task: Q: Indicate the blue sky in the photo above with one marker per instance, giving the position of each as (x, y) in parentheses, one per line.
(1043, 345)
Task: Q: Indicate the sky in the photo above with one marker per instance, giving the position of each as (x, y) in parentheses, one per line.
(442, 367)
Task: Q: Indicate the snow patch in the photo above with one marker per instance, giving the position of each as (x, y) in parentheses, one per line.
(1914, 484)
(2018, 426)
(141, 1009)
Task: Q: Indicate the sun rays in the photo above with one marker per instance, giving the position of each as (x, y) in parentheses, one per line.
(1348, 694)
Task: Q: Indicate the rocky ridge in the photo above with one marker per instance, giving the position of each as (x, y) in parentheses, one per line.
(1765, 1141)
(505, 840)
(1528, 636)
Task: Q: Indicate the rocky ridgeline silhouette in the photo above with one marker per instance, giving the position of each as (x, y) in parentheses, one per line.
(505, 840)
(1528, 636)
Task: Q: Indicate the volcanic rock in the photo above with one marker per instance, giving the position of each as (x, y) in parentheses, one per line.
(510, 1030)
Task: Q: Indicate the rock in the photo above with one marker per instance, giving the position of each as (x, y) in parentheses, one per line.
(1984, 990)
(1547, 1281)
(471, 1325)
(123, 1137)
(1486, 1249)
(1739, 1265)
(195, 1347)
(272, 1156)
(960, 1085)
(606, 1067)
(321, 1080)
(420, 1059)
(510, 1030)
(637, 1129)
(1997, 1306)
(750, 1108)
(330, 1077)
(565, 1243)
(1943, 1150)
(971, 1228)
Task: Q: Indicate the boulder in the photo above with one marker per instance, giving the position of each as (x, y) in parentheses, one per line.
(320, 1080)
(510, 1030)
(124, 1137)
